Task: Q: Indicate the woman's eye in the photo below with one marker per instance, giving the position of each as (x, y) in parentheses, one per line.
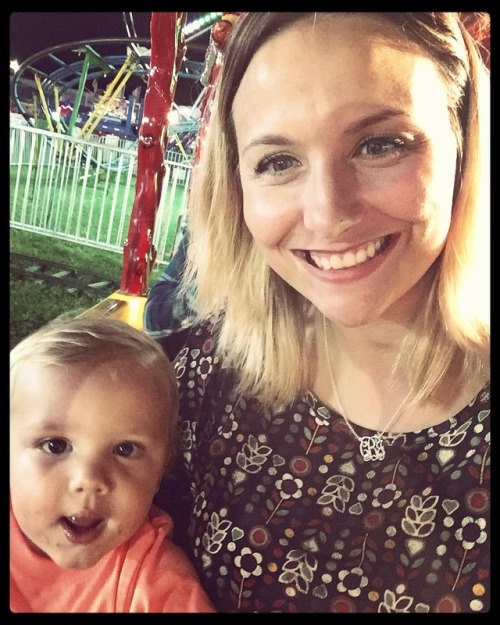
(127, 449)
(382, 146)
(276, 164)
(55, 446)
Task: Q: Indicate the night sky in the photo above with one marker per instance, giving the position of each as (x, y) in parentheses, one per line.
(32, 33)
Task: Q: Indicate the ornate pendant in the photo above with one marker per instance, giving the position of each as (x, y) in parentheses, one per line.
(372, 447)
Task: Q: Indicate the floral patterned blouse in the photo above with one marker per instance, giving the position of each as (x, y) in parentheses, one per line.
(285, 516)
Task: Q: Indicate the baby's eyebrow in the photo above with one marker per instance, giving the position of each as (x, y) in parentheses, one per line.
(47, 427)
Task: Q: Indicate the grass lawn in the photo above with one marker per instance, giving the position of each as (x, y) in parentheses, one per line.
(33, 304)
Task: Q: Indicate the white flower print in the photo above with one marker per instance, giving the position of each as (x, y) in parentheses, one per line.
(352, 581)
(248, 562)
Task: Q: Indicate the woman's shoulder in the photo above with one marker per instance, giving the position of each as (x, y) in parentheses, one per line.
(199, 340)
(477, 408)
(196, 360)
(197, 336)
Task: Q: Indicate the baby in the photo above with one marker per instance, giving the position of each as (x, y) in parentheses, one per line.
(93, 410)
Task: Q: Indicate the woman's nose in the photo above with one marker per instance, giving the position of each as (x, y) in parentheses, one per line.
(329, 200)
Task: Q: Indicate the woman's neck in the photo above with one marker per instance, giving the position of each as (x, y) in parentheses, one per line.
(361, 363)
(372, 348)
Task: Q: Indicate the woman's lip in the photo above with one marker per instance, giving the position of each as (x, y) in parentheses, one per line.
(349, 274)
(83, 532)
(349, 257)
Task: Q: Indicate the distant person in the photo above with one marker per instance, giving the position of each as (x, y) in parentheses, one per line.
(65, 110)
(93, 406)
(330, 327)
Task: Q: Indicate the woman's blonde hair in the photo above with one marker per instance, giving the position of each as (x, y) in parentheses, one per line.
(97, 339)
(261, 320)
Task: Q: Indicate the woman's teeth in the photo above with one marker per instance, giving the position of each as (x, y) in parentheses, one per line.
(350, 258)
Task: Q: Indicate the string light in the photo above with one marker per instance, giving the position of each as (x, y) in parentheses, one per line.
(201, 22)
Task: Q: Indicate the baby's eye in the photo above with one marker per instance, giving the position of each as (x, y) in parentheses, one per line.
(128, 449)
(381, 146)
(275, 164)
(55, 446)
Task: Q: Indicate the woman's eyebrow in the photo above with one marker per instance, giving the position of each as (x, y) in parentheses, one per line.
(375, 118)
(356, 126)
(267, 139)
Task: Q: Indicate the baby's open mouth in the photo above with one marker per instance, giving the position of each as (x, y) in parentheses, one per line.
(82, 529)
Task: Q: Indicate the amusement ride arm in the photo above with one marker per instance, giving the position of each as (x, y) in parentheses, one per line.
(167, 49)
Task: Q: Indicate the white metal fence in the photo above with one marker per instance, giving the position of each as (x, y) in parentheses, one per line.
(83, 190)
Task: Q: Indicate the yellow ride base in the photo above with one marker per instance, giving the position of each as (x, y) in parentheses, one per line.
(128, 308)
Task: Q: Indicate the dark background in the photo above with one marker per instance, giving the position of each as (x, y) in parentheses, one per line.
(32, 33)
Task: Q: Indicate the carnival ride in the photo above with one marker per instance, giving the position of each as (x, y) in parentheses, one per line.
(58, 98)
(161, 66)
(96, 86)
(166, 53)
(159, 62)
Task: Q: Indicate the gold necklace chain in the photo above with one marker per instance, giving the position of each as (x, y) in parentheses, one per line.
(370, 447)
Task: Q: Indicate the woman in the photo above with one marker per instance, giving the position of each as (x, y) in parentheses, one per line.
(335, 380)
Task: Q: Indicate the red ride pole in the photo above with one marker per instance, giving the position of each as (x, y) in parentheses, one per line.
(167, 51)
(219, 36)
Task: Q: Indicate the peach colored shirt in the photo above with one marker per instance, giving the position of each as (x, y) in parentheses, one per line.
(148, 573)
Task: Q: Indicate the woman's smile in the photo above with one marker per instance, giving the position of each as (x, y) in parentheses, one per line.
(363, 166)
(350, 257)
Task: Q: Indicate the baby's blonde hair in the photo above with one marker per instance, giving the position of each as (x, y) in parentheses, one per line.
(97, 339)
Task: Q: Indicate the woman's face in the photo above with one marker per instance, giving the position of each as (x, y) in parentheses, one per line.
(347, 161)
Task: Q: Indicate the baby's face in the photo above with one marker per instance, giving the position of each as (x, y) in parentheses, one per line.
(87, 452)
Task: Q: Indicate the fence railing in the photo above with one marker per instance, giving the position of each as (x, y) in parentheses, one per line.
(83, 190)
